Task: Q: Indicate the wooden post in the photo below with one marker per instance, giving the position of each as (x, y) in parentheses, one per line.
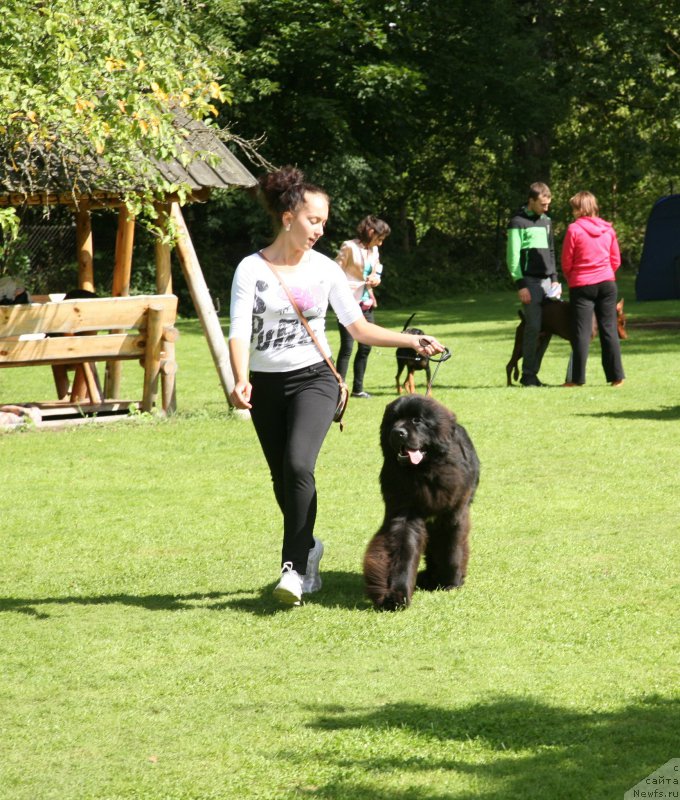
(92, 382)
(122, 269)
(204, 305)
(79, 386)
(168, 373)
(84, 249)
(152, 356)
(83, 380)
(163, 253)
(61, 381)
(169, 369)
(164, 286)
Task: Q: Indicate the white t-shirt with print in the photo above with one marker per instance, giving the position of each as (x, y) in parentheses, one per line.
(261, 312)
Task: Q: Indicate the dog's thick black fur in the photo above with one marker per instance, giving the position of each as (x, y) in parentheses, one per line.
(428, 480)
(411, 360)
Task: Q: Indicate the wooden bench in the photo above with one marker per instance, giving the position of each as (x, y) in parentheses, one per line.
(74, 334)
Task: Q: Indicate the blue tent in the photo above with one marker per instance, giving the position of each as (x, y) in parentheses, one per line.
(659, 275)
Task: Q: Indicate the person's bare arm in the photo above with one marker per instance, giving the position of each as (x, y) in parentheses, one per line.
(239, 355)
(374, 335)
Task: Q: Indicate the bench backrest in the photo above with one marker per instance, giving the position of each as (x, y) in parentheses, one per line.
(61, 332)
(75, 316)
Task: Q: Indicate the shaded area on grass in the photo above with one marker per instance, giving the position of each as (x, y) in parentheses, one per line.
(543, 751)
(341, 590)
(660, 414)
(649, 342)
(151, 602)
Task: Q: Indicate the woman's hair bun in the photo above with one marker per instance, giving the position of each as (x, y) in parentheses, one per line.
(281, 181)
(284, 190)
(276, 189)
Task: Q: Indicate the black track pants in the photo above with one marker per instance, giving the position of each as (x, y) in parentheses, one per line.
(291, 413)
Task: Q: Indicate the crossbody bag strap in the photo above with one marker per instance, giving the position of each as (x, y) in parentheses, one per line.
(300, 315)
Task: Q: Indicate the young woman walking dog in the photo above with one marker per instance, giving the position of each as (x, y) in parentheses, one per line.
(280, 373)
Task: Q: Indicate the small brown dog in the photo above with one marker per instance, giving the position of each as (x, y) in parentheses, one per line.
(557, 321)
(411, 361)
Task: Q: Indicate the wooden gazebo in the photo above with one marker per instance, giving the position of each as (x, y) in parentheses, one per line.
(56, 331)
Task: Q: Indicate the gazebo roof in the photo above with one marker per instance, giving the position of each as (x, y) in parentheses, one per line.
(207, 164)
(199, 173)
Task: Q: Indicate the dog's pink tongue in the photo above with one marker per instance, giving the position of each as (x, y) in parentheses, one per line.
(416, 456)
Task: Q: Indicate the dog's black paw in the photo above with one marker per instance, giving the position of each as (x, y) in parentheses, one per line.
(429, 583)
(394, 600)
(425, 581)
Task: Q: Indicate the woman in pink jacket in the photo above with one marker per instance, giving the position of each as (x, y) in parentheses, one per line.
(590, 258)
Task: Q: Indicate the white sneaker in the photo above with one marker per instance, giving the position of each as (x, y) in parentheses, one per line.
(289, 588)
(311, 580)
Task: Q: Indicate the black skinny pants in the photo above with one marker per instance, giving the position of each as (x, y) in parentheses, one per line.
(600, 298)
(291, 413)
(360, 359)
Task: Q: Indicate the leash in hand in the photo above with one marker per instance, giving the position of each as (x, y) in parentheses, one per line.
(445, 356)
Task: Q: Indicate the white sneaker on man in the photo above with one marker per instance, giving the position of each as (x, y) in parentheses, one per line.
(289, 587)
(311, 580)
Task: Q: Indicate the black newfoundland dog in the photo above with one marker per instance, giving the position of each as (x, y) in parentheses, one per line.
(428, 480)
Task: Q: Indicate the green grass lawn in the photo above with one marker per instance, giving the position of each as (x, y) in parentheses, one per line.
(142, 657)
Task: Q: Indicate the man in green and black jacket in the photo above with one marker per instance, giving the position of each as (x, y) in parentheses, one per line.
(531, 261)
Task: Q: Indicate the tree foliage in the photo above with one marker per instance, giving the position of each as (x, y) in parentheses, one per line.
(438, 115)
(86, 90)
(434, 115)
